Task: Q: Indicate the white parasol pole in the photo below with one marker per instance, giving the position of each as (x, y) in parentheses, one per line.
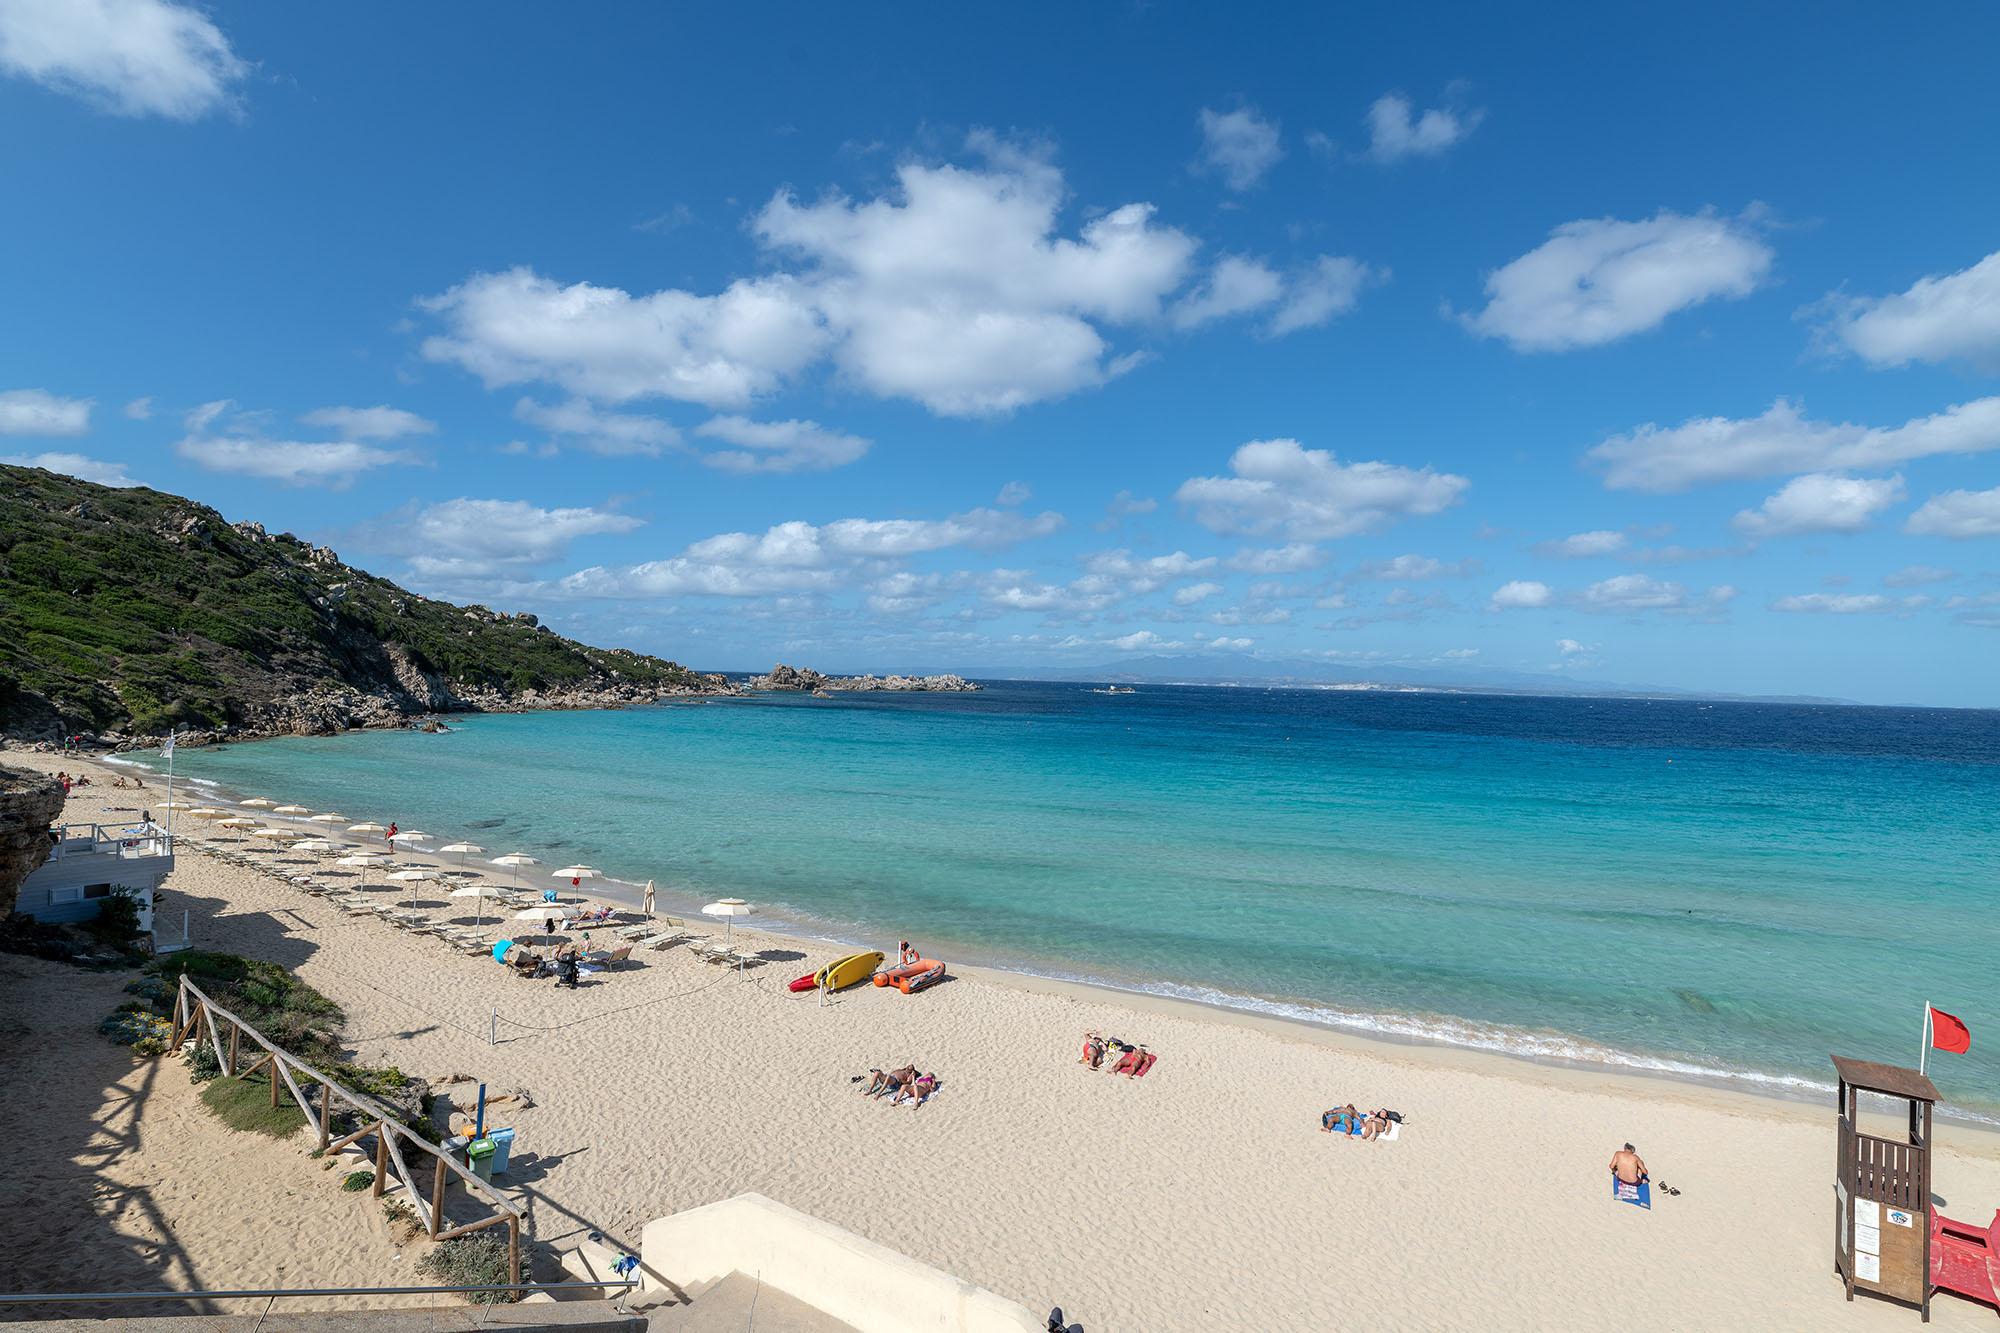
(167, 748)
(1924, 1051)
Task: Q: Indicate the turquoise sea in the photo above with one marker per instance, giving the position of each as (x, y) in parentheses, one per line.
(1722, 889)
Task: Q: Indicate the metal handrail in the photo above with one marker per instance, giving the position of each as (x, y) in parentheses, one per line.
(77, 1297)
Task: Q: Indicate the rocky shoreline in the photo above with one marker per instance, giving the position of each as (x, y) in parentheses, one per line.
(782, 678)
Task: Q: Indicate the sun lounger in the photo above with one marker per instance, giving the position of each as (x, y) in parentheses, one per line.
(714, 954)
(607, 959)
(665, 939)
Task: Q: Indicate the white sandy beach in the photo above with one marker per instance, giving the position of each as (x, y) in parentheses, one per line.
(1201, 1196)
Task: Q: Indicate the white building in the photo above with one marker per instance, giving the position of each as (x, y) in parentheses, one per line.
(91, 862)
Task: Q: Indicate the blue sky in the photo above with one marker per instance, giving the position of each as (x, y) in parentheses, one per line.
(1551, 342)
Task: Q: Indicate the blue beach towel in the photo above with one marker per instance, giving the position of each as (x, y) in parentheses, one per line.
(1640, 1194)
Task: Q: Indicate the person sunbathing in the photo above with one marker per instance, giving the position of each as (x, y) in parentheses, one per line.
(919, 1091)
(1376, 1124)
(896, 1080)
(1136, 1061)
(1093, 1051)
(876, 1080)
(1340, 1120)
(1628, 1166)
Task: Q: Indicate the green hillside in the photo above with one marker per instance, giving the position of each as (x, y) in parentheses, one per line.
(133, 611)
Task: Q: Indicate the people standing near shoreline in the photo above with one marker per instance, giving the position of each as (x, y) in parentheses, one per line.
(390, 836)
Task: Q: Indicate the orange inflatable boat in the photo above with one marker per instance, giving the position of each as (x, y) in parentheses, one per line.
(912, 974)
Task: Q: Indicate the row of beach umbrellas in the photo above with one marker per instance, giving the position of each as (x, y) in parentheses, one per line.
(301, 840)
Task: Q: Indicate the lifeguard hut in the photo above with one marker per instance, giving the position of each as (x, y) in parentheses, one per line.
(1882, 1192)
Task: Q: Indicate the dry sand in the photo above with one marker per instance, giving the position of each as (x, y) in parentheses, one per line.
(1201, 1196)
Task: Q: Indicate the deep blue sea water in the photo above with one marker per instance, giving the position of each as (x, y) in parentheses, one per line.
(1690, 887)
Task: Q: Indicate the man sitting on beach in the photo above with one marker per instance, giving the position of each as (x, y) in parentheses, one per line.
(1628, 1166)
(896, 1080)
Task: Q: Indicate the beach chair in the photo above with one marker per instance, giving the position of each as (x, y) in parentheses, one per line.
(609, 959)
(1965, 1260)
(666, 939)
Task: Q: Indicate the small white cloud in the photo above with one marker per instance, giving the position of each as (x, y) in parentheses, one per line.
(1415, 568)
(779, 446)
(1234, 286)
(1953, 316)
(1821, 502)
(1396, 131)
(37, 412)
(471, 538)
(1327, 289)
(369, 423)
(129, 57)
(1123, 505)
(1277, 559)
(1633, 592)
(292, 462)
(1239, 146)
(1573, 648)
(1195, 592)
(610, 434)
(139, 409)
(1783, 440)
(1839, 604)
(1014, 493)
(1308, 495)
(1917, 576)
(1521, 594)
(1584, 545)
(1597, 280)
(1958, 514)
(76, 465)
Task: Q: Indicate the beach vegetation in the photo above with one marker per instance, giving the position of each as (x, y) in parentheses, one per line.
(356, 1181)
(201, 1062)
(134, 1024)
(267, 997)
(245, 1104)
(402, 1219)
(471, 1261)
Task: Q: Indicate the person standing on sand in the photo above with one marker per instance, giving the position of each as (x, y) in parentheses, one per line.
(390, 836)
(1628, 1166)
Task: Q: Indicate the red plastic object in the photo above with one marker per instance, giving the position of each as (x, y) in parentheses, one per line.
(1965, 1260)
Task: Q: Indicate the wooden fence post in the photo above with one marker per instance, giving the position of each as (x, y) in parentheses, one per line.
(381, 1158)
(514, 1253)
(234, 1033)
(437, 1200)
(325, 1114)
(271, 1072)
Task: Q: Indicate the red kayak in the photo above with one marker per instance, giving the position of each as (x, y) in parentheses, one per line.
(806, 982)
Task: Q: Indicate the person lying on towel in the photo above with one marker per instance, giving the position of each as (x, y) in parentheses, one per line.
(1340, 1120)
(918, 1091)
(896, 1080)
(1093, 1051)
(1136, 1061)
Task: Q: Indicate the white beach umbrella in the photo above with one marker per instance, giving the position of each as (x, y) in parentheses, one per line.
(463, 849)
(514, 861)
(361, 860)
(236, 822)
(546, 913)
(410, 835)
(177, 805)
(258, 803)
(276, 833)
(482, 892)
(291, 810)
(208, 812)
(413, 878)
(369, 827)
(330, 817)
(728, 909)
(576, 874)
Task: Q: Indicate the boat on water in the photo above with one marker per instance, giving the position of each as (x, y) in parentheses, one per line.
(1115, 689)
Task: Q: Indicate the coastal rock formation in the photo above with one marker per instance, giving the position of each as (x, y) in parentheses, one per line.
(782, 677)
(29, 803)
(126, 612)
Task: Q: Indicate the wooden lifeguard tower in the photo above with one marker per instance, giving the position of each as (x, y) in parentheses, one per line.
(1882, 1189)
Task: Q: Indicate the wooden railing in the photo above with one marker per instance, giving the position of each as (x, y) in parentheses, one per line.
(1884, 1170)
(197, 1016)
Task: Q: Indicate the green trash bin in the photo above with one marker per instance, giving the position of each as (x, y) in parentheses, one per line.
(481, 1153)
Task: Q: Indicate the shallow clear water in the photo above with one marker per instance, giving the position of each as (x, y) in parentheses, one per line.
(1685, 886)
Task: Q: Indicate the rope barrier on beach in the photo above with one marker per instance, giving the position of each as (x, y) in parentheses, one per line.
(536, 1027)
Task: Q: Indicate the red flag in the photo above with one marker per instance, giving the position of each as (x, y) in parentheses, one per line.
(1948, 1033)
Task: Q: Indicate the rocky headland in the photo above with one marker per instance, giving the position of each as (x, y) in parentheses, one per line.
(782, 677)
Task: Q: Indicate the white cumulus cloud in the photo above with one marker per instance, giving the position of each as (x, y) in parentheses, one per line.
(1953, 316)
(1309, 495)
(1521, 594)
(1396, 130)
(1239, 146)
(1821, 502)
(1958, 514)
(130, 57)
(1584, 545)
(611, 434)
(1597, 280)
(468, 537)
(779, 446)
(38, 412)
(1831, 603)
(221, 439)
(1783, 440)
(369, 423)
(80, 466)
(1234, 286)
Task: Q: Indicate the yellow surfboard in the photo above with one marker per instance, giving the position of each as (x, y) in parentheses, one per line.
(848, 971)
